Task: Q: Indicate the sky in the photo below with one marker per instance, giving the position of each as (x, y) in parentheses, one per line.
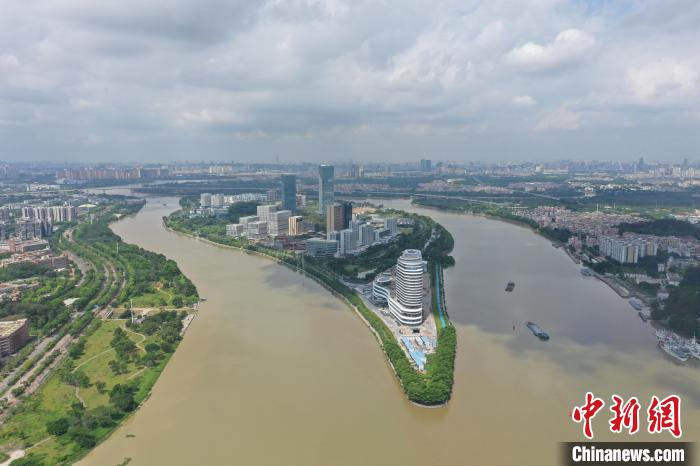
(356, 80)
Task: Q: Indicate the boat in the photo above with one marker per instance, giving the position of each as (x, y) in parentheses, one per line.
(537, 331)
(636, 303)
(674, 350)
(586, 272)
(643, 316)
(510, 286)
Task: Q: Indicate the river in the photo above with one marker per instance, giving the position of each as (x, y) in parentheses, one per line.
(275, 371)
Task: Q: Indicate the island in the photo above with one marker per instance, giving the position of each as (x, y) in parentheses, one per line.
(350, 263)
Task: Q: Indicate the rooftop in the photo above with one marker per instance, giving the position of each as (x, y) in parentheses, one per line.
(7, 328)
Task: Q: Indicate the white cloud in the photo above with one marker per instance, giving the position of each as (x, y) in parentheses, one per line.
(569, 48)
(663, 80)
(524, 101)
(177, 74)
(561, 119)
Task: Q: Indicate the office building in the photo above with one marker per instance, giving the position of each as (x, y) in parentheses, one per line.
(318, 247)
(249, 219)
(235, 230)
(296, 225)
(264, 212)
(347, 241)
(271, 195)
(426, 165)
(13, 335)
(278, 224)
(205, 200)
(326, 196)
(288, 188)
(392, 225)
(347, 213)
(406, 302)
(256, 230)
(334, 218)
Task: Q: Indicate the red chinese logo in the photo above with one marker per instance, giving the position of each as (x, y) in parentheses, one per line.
(587, 412)
(665, 415)
(662, 415)
(625, 416)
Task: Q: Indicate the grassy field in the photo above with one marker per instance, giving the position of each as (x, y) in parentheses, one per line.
(27, 428)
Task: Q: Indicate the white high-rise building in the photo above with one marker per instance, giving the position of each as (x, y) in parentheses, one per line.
(406, 302)
(256, 230)
(217, 200)
(366, 234)
(264, 211)
(205, 199)
(347, 241)
(392, 225)
(278, 223)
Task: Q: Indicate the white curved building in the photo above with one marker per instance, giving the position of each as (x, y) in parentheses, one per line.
(381, 287)
(406, 303)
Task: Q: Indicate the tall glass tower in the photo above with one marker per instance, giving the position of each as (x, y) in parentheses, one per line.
(289, 192)
(325, 188)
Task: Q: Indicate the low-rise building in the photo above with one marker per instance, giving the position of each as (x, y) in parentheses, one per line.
(318, 247)
(13, 335)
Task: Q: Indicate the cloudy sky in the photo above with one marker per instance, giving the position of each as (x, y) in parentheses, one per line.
(501, 80)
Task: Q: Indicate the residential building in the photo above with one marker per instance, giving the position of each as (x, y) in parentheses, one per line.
(392, 225)
(217, 200)
(205, 200)
(366, 234)
(326, 196)
(13, 335)
(296, 225)
(347, 241)
(318, 247)
(288, 188)
(272, 195)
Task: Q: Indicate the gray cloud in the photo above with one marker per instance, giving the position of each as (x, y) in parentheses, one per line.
(248, 79)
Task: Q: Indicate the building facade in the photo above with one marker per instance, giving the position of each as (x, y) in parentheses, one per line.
(318, 247)
(296, 225)
(288, 188)
(406, 303)
(326, 196)
(13, 335)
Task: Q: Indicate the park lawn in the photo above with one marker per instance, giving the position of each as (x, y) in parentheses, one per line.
(55, 397)
(150, 299)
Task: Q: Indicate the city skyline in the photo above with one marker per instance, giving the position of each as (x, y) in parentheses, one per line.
(284, 81)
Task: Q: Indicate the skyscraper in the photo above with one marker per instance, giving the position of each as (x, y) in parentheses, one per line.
(347, 214)
(334, 218)
(325, 188)
(289, 192)
(426, 165)
(406, 303)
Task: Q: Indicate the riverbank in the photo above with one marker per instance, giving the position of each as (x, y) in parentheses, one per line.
(430, 389)
(100, 373)
(618, 288)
